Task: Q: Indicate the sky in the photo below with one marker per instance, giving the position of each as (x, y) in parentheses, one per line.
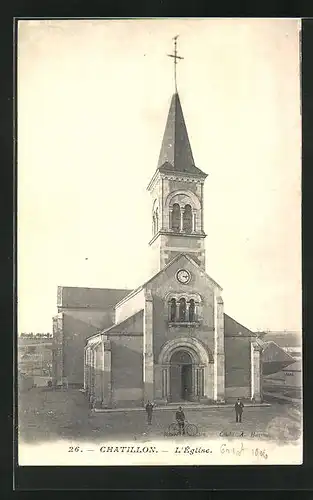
(92, 103)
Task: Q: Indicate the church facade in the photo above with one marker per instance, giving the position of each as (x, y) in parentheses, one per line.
(171, 341)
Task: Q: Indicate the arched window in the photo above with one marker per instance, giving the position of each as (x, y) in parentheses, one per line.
(173, 310)
(182, 309)
(187, 219)
(153, 224)
(156, 220)
(191, 310)
(176, 217)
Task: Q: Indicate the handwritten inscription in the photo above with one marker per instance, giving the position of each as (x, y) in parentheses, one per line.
(239, 451)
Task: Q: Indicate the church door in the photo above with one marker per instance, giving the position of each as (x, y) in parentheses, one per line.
(181, 377)
(186, 377)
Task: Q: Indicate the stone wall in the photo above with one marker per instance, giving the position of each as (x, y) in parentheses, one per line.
(78, 325)
(127, 370)
(237, 367)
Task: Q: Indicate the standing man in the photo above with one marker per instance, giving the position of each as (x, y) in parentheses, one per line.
(238, 410)
(180, 419)
(149, 410)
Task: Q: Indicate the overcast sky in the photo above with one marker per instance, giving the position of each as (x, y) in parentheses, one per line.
(93, 98)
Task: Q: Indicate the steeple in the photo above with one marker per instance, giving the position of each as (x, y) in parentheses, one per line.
(176, 190)
(176, 154)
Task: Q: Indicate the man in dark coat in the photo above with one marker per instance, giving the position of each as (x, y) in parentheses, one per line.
(180, 419)
(149, 410)
(238, 410)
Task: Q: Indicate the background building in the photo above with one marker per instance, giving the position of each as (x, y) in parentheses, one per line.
(35, 358)
(287, 381)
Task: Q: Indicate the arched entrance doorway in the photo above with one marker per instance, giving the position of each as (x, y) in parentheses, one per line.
(185, 367)
(181, 376)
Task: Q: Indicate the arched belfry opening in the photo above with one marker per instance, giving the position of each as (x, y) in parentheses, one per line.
(175, 223)
(187, 219)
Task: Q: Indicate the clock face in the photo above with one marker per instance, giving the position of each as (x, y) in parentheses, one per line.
(183, 276)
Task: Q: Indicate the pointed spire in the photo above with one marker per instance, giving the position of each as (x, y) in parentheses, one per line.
(176, 154)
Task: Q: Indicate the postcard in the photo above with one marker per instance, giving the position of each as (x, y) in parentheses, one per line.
(159, 242)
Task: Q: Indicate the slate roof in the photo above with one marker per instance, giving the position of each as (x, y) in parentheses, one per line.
(272, 353)
(233, 329)
(176, 154)
(93, 298)
(132, 324)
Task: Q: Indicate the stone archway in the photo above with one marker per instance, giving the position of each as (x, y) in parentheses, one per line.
(186, 370)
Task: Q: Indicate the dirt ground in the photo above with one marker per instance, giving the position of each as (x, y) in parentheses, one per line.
(46, 414)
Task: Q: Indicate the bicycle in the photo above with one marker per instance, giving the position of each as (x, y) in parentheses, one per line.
(190, 429)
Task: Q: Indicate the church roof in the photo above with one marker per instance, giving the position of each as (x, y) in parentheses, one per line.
(233, 329)
(93, 298)
(128, 326)
(176, 154)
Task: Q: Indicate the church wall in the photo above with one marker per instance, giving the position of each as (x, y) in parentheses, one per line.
(155, 256)
(175, 185)
(127, 370)
(77, 326)
(237, 367)
(182, 242)
(94, 317)
(172, 245)
(132, 305)
(156, 194)
(98, 373)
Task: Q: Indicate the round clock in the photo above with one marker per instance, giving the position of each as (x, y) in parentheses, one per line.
(183, 276)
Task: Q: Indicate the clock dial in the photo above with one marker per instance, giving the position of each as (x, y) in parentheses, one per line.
(183, 276)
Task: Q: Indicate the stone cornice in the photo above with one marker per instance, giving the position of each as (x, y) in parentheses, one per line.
(182, 177)
(155, 177)
(176, 176)
(177, 233)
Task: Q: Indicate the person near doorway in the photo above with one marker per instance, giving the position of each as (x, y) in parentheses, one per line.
(180, 419)
(185, 394)
(149, 410)
(239, 410)
(65, 383)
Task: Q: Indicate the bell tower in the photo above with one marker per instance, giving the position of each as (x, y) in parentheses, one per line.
(176, 190)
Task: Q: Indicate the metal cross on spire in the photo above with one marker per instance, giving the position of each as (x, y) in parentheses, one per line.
(176, 57)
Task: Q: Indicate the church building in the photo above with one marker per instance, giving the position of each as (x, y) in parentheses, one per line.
(170, 339)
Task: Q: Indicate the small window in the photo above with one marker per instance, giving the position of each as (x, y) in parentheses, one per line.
(182, 309)
(191, 310)
(173, 310)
